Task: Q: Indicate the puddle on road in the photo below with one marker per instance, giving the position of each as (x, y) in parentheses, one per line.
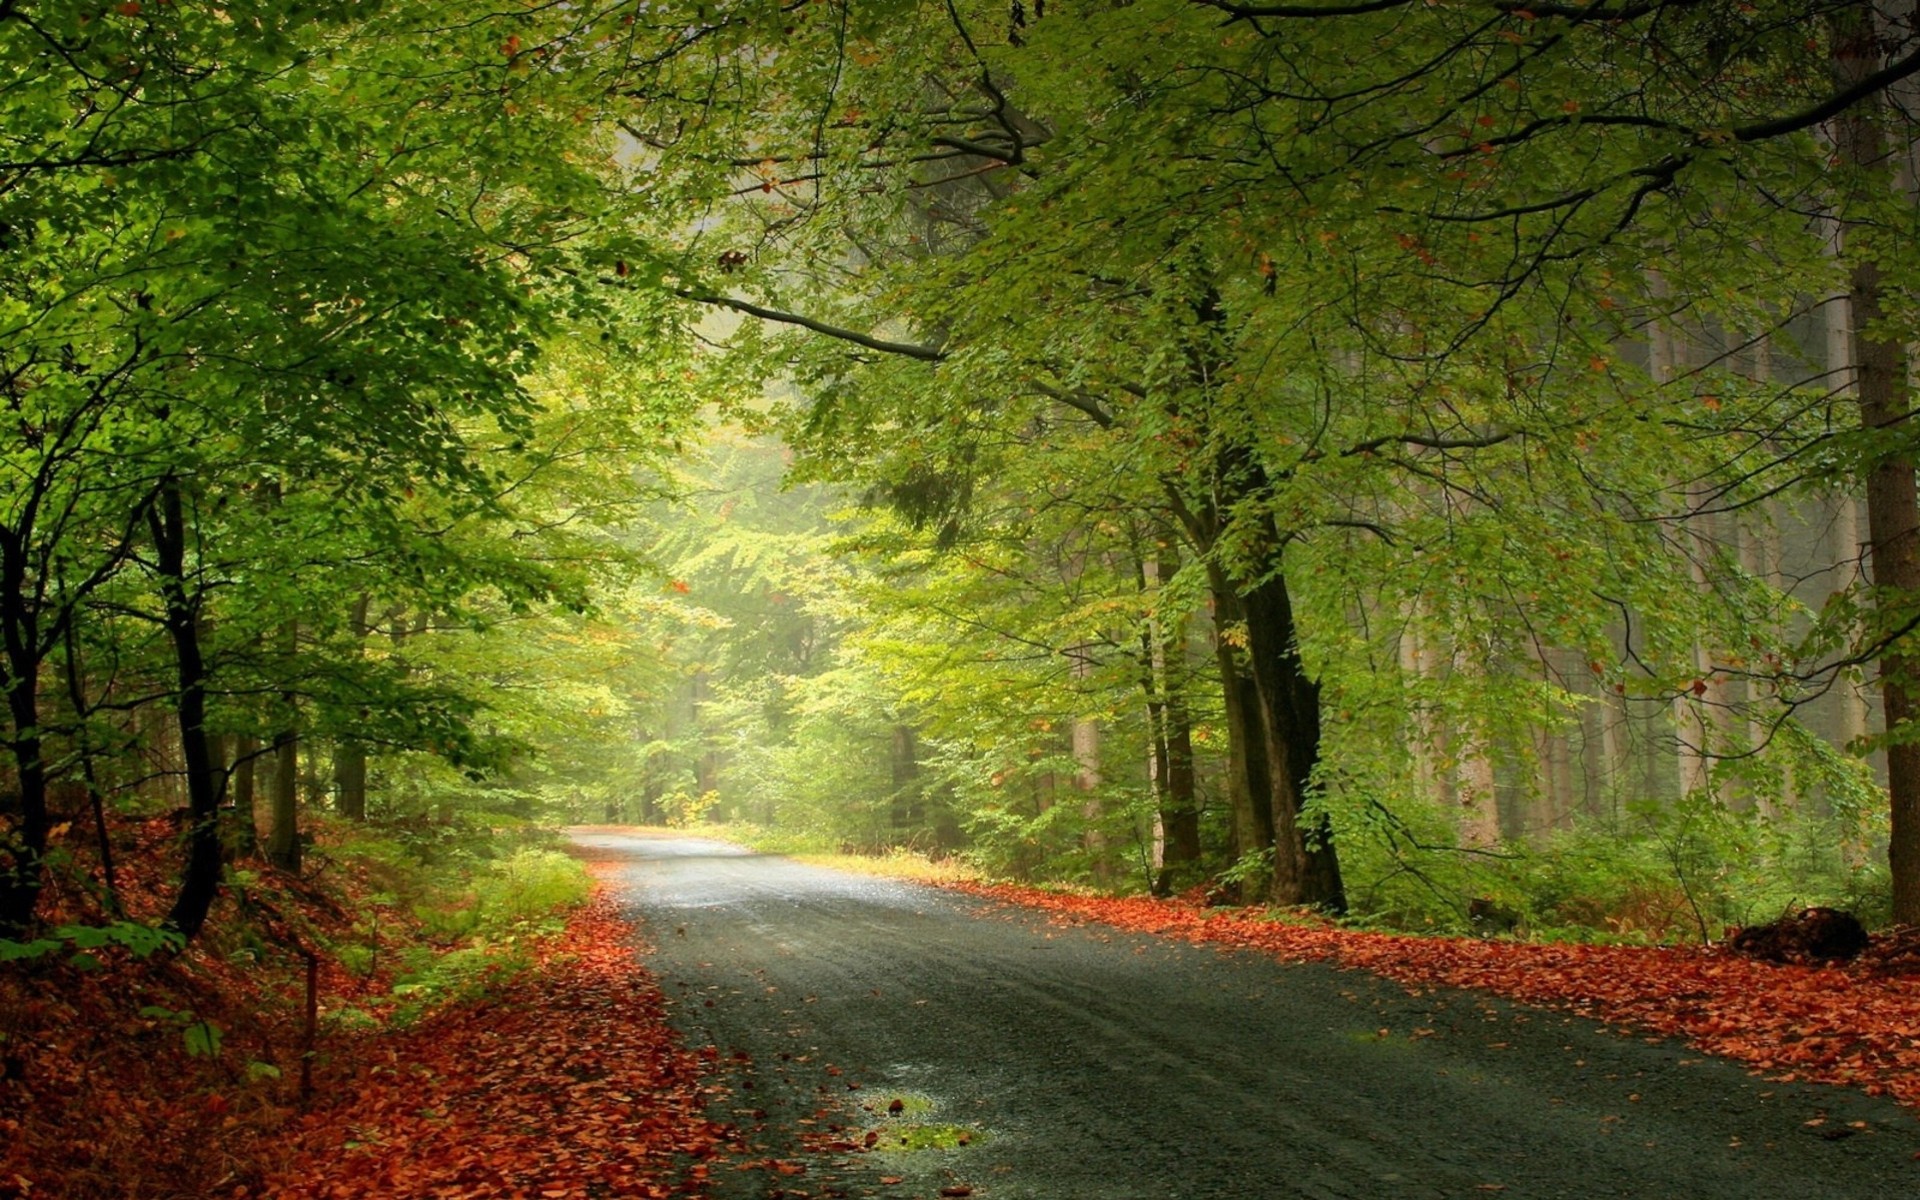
(900, 1119)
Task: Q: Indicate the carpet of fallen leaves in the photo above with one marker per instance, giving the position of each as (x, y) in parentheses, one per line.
(565, 1085)
(100, 1098)
(561, 1080)
(1857, 1025)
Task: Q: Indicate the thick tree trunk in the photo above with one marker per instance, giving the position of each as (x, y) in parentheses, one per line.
(283, 819)
(25, 843)
(1287, 712)
(1306, 869)
(350, 776)
(1893, 505)
(200, 880)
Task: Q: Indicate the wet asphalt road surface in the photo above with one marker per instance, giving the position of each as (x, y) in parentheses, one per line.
(1089, 1064)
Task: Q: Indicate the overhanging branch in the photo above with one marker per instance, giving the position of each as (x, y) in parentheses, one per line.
(838, 332)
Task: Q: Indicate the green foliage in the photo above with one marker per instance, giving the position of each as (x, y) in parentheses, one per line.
(137, 938)
(1662, 872)
(475, 895)
(201, 1038)
(527, 890)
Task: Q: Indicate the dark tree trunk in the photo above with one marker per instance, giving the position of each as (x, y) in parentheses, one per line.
(1280, 729)
(25, 843)
(283, 802)
(1893, 506)
(283, 821)
(350, 776)
(1305, 867)
(200, 881)
(1180, 817)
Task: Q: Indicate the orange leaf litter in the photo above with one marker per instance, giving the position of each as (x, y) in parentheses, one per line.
(567, 1083)
(1848, 1025)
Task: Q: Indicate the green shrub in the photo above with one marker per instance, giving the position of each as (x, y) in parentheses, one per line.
(531, 888)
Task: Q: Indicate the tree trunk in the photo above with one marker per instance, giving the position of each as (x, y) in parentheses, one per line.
(1305, 868)
(349, 753)
(83, 746)
(1250, 818)
(1085, 737)
(200, 880)
(350, 775)
(283, 804)
(1177, 840)
(904, 761)
(1893, 506)
(25, 843)
(283, 828)
(246, 836)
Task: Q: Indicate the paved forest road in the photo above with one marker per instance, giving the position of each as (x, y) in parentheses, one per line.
(1088, 1064)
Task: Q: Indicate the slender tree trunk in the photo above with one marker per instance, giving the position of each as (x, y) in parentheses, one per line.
(283, 812)
(1472, 788)
(1085, 739)
(349, 753)
(1893, 504)
(200, 881)
(1250, 818)
(83, 745)
(1177, 824)
(904, 762)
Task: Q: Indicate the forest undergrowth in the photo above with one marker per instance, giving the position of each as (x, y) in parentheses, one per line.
(481, 1026)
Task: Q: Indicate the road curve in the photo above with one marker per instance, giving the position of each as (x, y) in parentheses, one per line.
(1092, 1064)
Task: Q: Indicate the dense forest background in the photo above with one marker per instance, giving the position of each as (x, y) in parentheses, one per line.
(1447, 463)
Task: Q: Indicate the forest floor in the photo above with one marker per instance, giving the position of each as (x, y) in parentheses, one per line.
(887, 1039)
(550, 1072)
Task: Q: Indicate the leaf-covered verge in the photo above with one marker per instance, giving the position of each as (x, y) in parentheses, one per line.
(1857, 1025)
(481, 1024)
(565, 1082)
